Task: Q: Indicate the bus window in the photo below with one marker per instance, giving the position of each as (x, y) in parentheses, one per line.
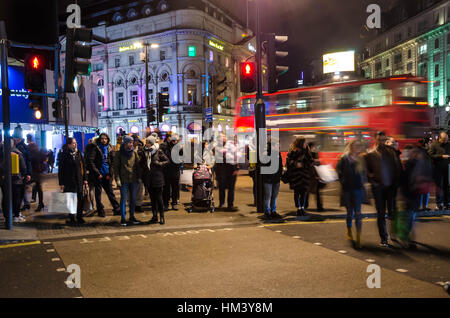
(410, 91)
(344, 97)
(247, 107)
(306, 101)
(373, 95)
(283, 104)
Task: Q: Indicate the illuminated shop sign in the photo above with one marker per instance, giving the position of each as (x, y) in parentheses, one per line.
(215, 45)
(134, 46)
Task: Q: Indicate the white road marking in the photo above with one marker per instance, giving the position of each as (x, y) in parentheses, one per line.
(56, 259)
(180, 233)
(61, 270)
(46, 243)
(369, 260)
(278, 231)
(84, 241)
(105, 239)
(296, 237)
(318, 244)
(124, 238)
(51, 250)
(401, 270)
(440, 283)
(342, 252)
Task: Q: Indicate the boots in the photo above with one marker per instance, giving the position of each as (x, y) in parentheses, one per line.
(161, 219)
(358, 239)
(349, 234)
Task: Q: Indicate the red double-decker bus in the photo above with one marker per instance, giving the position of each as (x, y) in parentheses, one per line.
(331, 115)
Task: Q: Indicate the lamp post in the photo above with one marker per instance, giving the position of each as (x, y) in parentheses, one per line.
(147, 105)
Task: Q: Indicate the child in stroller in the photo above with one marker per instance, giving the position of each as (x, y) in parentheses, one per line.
(202, 189)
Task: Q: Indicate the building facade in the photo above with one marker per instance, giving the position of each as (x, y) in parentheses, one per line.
(193, 55)
(420, 46)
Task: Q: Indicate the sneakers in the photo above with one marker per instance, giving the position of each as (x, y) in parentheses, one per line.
(123, 222)
(19, 219)
(384, 244)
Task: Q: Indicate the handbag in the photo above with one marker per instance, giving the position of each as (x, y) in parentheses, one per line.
(326, 174)
(63, 202)
(86, 200)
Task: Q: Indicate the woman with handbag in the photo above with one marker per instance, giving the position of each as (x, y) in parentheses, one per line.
(300, 172)
(72, 177)
(350, 169)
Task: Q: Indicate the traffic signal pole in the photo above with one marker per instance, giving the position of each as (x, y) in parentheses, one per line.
(147, 106)
(260, 119)
(7, 190)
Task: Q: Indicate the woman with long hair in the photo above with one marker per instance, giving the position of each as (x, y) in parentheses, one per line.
(350, 169)
(300, 172)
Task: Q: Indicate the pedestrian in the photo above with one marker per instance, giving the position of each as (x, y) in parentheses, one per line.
(424, 147)
(72, 176)
(17, 186)
(99, 164)
(38, 165)
(319, 185)
(172, 172)
(227, 169)
(127, 170)
(271, 181)
(384, 170)
(50, 160)
(299, 164)
(20, 145)
(416, 180)
(351, 172)
(58, 157)
(391, 142)
(152, 163)
(440, 153)
(139, 146)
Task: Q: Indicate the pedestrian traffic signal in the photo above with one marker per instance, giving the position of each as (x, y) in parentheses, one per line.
(248, 79)
(57, 109)
(272, 52)
(151, 116)
(74, 52)
(163, 105)
(220, 89)
(34, 68)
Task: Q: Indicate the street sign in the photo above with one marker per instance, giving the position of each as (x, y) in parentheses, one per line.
(209, 115)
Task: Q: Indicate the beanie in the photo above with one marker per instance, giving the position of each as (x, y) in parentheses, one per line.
(127, 139)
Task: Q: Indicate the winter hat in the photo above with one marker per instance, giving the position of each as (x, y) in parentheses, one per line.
(17, 132)
(127, 139)
(151, 139)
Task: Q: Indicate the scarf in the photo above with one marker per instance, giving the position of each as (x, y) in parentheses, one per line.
(149, 152)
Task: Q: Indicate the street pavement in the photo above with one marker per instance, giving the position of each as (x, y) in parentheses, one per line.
(223, 254)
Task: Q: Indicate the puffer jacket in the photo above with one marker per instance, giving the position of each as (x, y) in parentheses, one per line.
(301, 179)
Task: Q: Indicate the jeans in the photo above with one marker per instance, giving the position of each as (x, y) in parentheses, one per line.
(107, 186)
(270, 197)
(353, 201)
(384, 197)
(132, 188)
(300, 198)
(423, 200)
(226, 182)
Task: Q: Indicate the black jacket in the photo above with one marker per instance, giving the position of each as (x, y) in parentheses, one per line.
(300, 178)
(94, 159)
(153, 177)
(71, 172)
(172, 169)
(273, 178)
(374, 166)
(350, 178)
(436, 151)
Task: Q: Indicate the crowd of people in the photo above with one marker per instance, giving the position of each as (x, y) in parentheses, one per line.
(139, 166)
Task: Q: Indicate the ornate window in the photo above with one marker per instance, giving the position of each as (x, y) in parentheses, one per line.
(164, 76)
(117, 17)
(131, 14)
(163, 6)
(146, 10)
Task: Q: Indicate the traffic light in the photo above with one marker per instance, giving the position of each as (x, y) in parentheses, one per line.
(248, 79)
(220, 89)
(34, 68)
(57, 109)
(151, 116)
(74, 52)
(273, 53)
(163, 105)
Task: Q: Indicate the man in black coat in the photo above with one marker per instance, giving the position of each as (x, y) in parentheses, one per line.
(99, 164)
(20, 145)
(72, 176)
(172, 173)
(440, 153)
(384, 170)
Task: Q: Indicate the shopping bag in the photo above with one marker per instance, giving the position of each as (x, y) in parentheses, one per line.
(326, 174)
(87, 206)
(63, 202)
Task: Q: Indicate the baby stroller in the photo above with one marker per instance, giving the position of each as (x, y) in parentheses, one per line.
(202, 189)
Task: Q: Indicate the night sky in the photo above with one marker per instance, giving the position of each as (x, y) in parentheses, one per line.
(314, 27)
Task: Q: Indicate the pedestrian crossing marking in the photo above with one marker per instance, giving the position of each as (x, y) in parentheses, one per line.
(50, 250)
(369, 260)
(105, 239)
(296, 237)
(61, 270)
(401, 270)
(342, 252)
(124, 238)
(84, 241)
(278, 231)
(318, 244)
(56, 259)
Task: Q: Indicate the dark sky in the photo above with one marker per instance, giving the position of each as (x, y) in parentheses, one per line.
(314, 27)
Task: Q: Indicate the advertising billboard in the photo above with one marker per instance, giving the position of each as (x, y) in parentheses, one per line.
(339, 62)
(20, 111)
(83, 104)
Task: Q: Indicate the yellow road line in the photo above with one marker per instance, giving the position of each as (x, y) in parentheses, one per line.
(20, 244)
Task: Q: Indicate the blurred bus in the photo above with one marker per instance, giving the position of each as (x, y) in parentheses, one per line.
(333, 114)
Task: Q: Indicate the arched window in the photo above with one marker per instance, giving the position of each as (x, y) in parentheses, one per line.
(117, 17)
